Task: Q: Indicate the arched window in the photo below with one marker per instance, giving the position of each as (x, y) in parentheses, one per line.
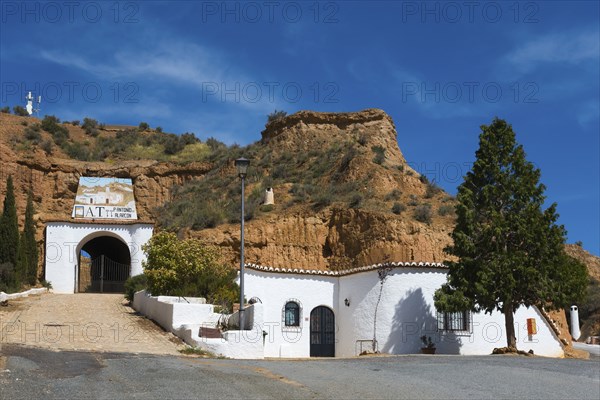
(292, 314)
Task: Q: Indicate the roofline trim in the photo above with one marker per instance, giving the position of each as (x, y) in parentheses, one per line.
(372, 267)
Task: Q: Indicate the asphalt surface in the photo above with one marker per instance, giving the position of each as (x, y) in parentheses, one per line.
(28, 373)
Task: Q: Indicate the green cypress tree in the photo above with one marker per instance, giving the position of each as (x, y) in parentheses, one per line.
(9, 239)
(30, 245)
(509, 251)
(21, 263)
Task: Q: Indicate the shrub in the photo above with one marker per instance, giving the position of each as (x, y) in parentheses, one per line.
(90, 126)
(20, 111)
(77, 151)
(397, 208)
(432, 190)
(379, 154)
(413, 201)
(33, 134)
(159, 129)
(266, 208)
(47, 146)
(276, 115)
(134, 284)
(355, 200)
(5, 110)
(445, 209)
(50, 123)
(323, 199)
(59, 133)
(75, 122)
(215, 144)
(187, 268)
(143, 126)
(393, 195)
(300, 192)
(423, 213)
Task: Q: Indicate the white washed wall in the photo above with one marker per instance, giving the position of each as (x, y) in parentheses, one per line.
(275, 290)
(405, 313)
(64, 241)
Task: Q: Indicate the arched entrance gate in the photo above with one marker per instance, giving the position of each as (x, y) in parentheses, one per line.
(104, 266)
(94, 257)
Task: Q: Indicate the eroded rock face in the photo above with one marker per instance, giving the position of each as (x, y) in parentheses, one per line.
(332, 239)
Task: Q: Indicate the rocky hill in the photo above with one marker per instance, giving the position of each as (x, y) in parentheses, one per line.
(336, 179)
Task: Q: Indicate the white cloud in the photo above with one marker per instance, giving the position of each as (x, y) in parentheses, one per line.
(171, 63)
(556, 48)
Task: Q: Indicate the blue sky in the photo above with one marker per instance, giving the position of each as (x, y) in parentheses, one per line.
(440, 69)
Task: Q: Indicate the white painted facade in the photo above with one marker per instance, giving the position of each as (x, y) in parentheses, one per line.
(405, 313)
(64, 240)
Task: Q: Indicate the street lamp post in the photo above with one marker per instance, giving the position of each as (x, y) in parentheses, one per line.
(242, 169)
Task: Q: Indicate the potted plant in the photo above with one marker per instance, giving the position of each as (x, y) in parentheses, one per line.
(428, 345)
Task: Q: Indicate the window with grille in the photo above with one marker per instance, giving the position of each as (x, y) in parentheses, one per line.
(454, 321)
(291, 313)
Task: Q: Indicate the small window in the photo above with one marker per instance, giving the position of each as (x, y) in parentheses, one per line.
(454, 321)
(292, 314)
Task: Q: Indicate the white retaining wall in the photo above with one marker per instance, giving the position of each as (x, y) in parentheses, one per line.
(185, 319)
(64, 240)
(172, 312)
(244, 344)
(5, 296)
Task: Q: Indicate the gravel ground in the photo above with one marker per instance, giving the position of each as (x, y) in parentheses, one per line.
(39, 373)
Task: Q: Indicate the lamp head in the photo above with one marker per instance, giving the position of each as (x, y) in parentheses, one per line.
(242, 166)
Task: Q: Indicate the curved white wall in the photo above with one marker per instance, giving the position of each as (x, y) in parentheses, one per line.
(405, 313)
(64, 241)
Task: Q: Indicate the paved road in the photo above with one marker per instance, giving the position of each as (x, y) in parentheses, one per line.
(39, 373)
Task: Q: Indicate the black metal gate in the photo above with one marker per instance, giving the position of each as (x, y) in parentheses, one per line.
(322, 332)
(108, 276)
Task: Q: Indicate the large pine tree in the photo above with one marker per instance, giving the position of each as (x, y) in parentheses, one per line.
(30, 245)
(509, 250)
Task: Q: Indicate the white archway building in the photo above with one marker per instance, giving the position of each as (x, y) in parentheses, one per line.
(64, 241)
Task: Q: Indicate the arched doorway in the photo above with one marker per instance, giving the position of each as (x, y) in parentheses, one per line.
(104, 265)
(322, 332)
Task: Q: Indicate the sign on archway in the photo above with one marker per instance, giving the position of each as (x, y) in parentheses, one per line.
(104, 198)
(101, 245)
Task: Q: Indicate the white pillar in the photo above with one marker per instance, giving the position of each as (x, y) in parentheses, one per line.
(269, 197)
(575, 332)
